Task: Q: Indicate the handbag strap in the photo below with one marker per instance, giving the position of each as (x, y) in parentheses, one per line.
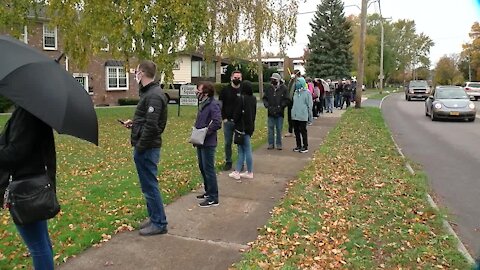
(243, 113)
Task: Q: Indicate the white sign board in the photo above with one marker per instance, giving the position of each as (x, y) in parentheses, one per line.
(188, 90)
(188, 101)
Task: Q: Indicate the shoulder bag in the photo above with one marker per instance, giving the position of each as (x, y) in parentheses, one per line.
(199, 134)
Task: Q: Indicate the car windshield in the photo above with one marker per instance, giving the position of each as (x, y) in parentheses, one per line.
(451, 94)
(418, 84)
(474, 85)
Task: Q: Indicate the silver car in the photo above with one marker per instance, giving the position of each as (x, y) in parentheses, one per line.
(450, 102)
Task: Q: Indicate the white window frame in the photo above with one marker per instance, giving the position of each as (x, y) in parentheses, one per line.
(24, 36)
(85, 77)
(118, 88)
(55, 35)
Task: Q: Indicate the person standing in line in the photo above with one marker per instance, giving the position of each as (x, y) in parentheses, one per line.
(291, 90)
(244, 117)
(209, 115)
(27, 147)
(228, 98)
(339, 94)
(328, 96)
(275, 99)
(347, 94)
(148, 124)
(302, 108)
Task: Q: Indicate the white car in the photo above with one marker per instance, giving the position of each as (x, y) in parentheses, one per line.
(472, 89)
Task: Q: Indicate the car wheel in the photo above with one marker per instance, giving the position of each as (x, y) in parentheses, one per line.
(432, 116)
(426, 112)
(409, 99)
(476, 98)
(471, 119)
(406, 97)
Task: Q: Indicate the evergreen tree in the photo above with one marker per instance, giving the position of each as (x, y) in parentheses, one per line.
(329, 44)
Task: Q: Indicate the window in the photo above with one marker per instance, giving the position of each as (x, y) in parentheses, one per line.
(82, 78)
(117, 78)
(176, 65)
(49, 37)
(196, 68)
(24, 36)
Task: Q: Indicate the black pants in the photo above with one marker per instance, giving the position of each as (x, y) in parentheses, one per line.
(346, 100)
(289, 115)
(300, 128)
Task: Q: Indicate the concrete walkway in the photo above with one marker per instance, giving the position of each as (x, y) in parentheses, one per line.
(211, 238)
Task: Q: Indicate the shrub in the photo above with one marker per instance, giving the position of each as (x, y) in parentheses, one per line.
(128, 101)
(5, 104)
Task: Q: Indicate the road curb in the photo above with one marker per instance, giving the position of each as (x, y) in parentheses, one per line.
(460, 246)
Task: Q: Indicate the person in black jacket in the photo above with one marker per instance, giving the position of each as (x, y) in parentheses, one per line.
(27, 148)
(275, 100)
(147, 127)
(228, 98)
(244, 118)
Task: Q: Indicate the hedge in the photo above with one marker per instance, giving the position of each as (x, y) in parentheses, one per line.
(128, 101)
(5, 104)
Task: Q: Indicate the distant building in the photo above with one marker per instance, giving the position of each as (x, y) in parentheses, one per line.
(275, 63)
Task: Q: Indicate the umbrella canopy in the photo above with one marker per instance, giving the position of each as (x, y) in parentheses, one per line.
(41, 86)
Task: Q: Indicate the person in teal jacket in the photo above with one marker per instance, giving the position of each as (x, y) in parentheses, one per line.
(302, 107)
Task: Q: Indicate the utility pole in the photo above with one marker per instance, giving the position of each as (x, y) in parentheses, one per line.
(361, 66)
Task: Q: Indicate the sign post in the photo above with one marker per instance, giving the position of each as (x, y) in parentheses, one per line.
(188, 96)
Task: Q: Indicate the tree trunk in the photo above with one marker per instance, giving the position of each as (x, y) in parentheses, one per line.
(361, 64)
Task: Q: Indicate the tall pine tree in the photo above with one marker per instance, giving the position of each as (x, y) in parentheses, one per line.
(329, 44)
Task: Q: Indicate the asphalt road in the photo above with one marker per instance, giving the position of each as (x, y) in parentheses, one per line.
(449, 153)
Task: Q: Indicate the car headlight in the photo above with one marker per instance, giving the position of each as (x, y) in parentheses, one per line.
(471, 105)
(410, 91)
(437, 106)
(427, 91)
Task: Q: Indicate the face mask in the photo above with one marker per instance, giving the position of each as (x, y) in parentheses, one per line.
(199, 95)
(236, 81)
(274, 82)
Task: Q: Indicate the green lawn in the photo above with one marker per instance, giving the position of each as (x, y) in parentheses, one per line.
(98, 187)
(375, 93)
(355, 206)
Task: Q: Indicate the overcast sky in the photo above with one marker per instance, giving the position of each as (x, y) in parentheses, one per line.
(446, 22)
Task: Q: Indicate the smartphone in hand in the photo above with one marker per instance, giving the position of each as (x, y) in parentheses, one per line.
(121, 121)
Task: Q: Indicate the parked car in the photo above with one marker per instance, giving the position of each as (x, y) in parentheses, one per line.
(417, 89)
(172, 90)
(450, 102)
(472, 89)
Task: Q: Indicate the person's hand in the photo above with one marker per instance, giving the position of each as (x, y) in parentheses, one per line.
(225, 120)
(128, 123)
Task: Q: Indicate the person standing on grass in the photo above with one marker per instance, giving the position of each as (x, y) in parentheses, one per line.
(275, 99)
(301, 110)
(244, 118)
(209, 115)
(148, 124)
(228, 97)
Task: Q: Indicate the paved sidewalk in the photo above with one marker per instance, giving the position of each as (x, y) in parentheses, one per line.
(211, 238)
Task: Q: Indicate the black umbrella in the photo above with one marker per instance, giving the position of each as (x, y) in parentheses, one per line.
(41, 86)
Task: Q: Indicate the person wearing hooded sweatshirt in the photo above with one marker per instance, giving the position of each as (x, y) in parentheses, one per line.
(301, 110)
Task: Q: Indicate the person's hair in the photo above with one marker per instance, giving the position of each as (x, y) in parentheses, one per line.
(149, 68)
(207, 88)
(237, 72)
(246, 88)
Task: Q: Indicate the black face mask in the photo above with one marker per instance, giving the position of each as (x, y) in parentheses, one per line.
(274, 82)
(236, 81)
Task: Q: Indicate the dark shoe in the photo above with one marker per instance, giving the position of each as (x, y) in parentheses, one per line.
(270, 147)
(279, 147)
(227, 166)
(145, 223)
(296, 149)
(153, 230)
(202, 197)
(304, 150)
(208, 203)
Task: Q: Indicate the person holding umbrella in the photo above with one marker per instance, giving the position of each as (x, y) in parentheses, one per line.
(147, 127)
(27, 146)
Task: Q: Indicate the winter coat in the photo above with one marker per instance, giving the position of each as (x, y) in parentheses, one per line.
(302, 105)
(209, 112)
(150, 118)
(275, 100)
(245, 114)
(27, 147)
(228, 97)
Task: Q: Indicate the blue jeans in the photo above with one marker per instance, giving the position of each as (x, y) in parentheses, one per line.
(35, 236)
(329, 103)
(206, 163)
(245, 154)
(228, 128)
(146, 163)
(275, 126)
(338, 100)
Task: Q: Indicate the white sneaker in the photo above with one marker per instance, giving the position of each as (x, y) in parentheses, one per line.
(247, 175)
(235, 175)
